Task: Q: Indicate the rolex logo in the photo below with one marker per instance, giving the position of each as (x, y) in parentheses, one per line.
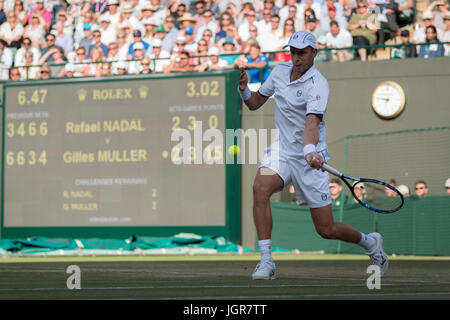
(143, 92)
(81, 94)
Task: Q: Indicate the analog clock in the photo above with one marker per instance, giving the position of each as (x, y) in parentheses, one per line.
(388, 100)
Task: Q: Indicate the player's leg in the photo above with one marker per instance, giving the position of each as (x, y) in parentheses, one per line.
(327, 228)
(266, 183)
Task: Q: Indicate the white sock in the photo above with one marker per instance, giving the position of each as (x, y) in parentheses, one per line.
(265, 249)
(367, 242)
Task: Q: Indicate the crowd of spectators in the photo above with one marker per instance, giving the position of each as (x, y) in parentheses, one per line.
(40, 39)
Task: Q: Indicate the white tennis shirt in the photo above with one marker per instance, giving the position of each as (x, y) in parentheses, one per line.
(294, 101)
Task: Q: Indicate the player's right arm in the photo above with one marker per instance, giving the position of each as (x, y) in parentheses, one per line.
(253, 100)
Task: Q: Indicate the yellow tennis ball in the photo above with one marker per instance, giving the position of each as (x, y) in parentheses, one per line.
(234, 150)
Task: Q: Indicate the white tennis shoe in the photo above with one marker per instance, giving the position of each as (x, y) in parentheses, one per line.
(377, 255)
(265, 270)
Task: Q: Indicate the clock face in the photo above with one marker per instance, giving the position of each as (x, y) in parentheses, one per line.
(388, 100)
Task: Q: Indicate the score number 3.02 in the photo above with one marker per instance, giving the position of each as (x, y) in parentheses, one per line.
(205, 89)
(37, 97)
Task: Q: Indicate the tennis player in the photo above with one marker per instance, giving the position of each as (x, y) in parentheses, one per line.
(301, 96)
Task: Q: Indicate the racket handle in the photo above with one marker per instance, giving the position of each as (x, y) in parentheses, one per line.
(332, 170)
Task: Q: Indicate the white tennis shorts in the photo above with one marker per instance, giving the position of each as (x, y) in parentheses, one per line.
(311, 185)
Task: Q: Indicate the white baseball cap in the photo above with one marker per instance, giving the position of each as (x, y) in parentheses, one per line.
(301, 40)
(404, 190)
(213, 51)
(447, 183)
(156, 43)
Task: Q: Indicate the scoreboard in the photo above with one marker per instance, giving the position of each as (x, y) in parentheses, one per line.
(115, 157)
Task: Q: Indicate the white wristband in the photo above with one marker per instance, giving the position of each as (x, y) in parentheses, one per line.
(308, 149)
(246, 94)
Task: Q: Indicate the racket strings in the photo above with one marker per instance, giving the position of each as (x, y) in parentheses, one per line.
(377, 196)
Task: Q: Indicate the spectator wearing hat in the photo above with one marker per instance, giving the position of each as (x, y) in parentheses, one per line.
(229, 50)
(97, 36)
(135, 66)
(333, 5)
(127, 17)
(330, 16)
(363, 26)
(447, 186)
(167, 43)
(128, 30)
(108, 31)
(322, 55)
(177, 9)
(87, 40)
(431, 48)
(150, 30)
(191, 44)
(35, 31)
(6, 61)
(339, 38)
(187, 20)
(160, 58)
(113, 13)
(360, 192)
(68, 71)
(420, 34)
(43, 13)
(147, 12)
(209, 24)
(121, 68)
(404, 190)
(407, 50)
(11, 32)
(137, 38)
(86, 19)
(45, 73)
(213, 62)
(180, 64)
(312, 26)
(445, 36)
(257, 63)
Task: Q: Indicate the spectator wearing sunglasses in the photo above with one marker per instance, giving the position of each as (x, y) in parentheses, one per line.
(19, 59)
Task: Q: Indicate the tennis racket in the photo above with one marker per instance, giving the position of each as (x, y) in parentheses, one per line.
(371, 193)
